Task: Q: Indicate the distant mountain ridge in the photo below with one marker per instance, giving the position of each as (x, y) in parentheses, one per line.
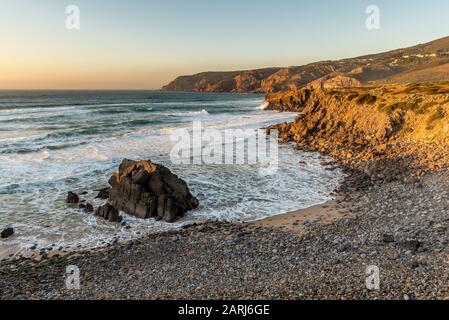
(421, 63)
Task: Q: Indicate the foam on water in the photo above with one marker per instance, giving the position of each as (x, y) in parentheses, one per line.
(77, 145)
(263, 106)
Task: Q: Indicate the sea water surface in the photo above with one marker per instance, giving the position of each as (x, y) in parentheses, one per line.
(55, 142)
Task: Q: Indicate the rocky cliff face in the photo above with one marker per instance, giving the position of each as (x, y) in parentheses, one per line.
(367, 123)
(425, 62)
(238, 81)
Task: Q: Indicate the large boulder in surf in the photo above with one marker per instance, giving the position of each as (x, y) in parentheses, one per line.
(148, 190)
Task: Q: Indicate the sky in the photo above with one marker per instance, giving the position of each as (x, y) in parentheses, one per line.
(144, 44)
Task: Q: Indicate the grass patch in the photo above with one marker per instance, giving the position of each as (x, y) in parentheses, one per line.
(403, 106)
(424, 108)
(436, 116)
(408, 130)
(426, 88)
(366, 99)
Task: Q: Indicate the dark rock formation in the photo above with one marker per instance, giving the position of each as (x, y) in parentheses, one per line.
(108, 212)
(103, 193)
(89, 208)
(8, 232)
(144, 189)
(72, 198)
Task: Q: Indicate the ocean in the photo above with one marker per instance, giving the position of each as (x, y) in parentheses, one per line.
(55, 142)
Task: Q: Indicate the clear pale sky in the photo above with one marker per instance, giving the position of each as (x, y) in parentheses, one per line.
(143, 44)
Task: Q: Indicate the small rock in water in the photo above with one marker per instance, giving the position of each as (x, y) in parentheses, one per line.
(89, 208)
(72, 197)
(8, 232)
(103, 194)
(108, 212)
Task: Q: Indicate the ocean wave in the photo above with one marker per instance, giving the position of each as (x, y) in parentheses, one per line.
(263, 106)
(202, 112)
(125, 108)
(11, 150)
(73, 132)
(41, 107)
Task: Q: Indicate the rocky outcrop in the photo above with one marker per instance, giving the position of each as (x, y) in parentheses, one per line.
(367, 124)
(425, 62)
(108, 212)
(72, 198)
(335, 82)
(8, 232)
(233, 81)
(147, 190)
(87, 207)
(103, 193)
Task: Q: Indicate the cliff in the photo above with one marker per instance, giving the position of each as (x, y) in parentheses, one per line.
(424, 62)
(358, 125)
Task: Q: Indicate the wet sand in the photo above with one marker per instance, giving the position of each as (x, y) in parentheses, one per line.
(300, 220)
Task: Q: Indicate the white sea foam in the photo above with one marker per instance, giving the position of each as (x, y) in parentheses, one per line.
(202, 112)
(263, 106)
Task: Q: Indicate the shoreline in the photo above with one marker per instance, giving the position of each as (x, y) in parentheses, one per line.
(297, 221)
(280, 257)
(14, 253)
(250, 261)
(386, 214)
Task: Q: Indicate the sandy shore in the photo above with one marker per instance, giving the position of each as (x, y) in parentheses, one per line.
(299, 220)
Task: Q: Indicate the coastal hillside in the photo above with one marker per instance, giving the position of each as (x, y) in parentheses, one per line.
(359, 125)
(424, 62)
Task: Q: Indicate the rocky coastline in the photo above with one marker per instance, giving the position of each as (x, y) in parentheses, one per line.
(391, 213)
